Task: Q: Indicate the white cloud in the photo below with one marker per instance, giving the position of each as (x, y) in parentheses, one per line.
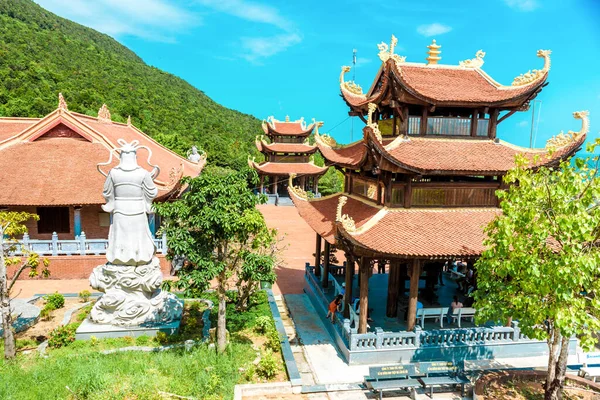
(249, 11)
(522, 124)
(156, 20)
(360, 61)
(522, 5)
(433, 29)
(263, 47)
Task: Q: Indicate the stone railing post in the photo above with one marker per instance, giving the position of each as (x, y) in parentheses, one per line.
(164, 243)
(379, 339)
(353, 341)
(54, 244)
(306, 268)
(418, 330)
(26, 241)
(516, 331)
(346, 328)
(82, 244)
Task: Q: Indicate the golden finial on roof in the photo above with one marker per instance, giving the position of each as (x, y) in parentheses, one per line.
(563, 139)
(62, 104)
(104, 114)
(129, 120)
(476, 62)
(534, 75)
(386, 52)
(287, 118)
(350, 86)
(433, 55)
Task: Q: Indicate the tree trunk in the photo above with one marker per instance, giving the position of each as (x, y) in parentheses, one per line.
(10, 348)
(221, 320)
(554, 386)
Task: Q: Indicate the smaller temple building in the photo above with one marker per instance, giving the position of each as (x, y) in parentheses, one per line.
(287, 152)
(50, 167)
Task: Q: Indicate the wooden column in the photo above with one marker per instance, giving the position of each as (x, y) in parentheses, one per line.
(364, 294)
(325, 274)
(474, 121)
(275, 179)
(423, 130)
(391, 310)
(408, 192)
(414, 272)
(316, 180)
(493, 123)
(303, 182)
(318, 256)
(349, 278)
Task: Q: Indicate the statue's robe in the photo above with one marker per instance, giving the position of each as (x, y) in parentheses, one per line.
(129, 195)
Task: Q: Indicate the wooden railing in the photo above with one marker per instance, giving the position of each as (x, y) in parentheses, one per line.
(81, 245)
(478, 194)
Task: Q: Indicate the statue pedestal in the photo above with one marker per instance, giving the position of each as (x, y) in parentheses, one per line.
(88, 329)
(133, 296)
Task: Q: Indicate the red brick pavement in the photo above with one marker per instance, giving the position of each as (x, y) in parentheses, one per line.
(298, 240)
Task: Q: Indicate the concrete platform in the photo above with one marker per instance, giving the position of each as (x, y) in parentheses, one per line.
(88, 329)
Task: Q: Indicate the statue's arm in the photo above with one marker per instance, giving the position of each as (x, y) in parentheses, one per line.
(109, 194)
(150, 191)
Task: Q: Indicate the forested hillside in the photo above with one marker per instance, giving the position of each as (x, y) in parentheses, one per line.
(42, 54)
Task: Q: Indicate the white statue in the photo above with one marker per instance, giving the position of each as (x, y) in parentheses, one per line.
(132, 277)
(194, 156)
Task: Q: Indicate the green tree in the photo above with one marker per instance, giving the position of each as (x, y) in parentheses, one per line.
(217, 226)
(542, 262)
(11, 225)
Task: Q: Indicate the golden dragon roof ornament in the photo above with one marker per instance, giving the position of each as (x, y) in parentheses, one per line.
(325, 140)
(371, 124)
(564, 139)
(346, 221)
(535, 74)
(104, 114)
(476, 62)
(350, 86)
(385, 52)
(297, 190)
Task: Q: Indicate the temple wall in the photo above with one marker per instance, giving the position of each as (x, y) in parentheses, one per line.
(78, 267)
(90, 222)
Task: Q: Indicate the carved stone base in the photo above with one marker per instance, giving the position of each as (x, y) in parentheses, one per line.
(132, 295)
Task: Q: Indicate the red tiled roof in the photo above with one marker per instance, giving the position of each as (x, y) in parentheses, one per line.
(11, 126)
(277, 168)
(320, 213)
(264, 147)
(350, 156)
(424, 232)
(47, 170)
(296, 128)
(446, 155)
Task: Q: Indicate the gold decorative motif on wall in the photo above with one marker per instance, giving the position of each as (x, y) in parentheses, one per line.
(346, 221)
(386, 52)
(297, 190)
(62, 104)
(476, 62)
(371, 124)
(372, 191)
(350, 86)
(104, 114)
(535, 74)
(563, 139)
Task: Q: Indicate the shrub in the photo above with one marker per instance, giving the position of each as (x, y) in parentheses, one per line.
(273, 342)
(61, 336)
(85, 295)
(143, 340)
(267, 366)
(263, 324)
(46, 313)
(162, 338)
(55, 300)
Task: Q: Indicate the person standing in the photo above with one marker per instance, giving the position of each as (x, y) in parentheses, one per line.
(334, 306)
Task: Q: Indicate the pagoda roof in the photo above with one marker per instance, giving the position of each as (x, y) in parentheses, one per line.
(265, 147)
(285, 169)
(53, 160)
(444, 85)
(446, 156)
(273, 127)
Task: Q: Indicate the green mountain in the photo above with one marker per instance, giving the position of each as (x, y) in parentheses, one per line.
(42, 54)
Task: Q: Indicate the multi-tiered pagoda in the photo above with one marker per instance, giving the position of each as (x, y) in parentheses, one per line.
(421, 184)
(287, 152)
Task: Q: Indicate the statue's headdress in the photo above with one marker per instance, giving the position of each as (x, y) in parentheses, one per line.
(130, 148)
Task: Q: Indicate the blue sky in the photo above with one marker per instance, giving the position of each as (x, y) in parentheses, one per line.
(284, 58)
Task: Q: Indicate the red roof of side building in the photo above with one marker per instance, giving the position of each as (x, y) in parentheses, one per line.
(265, 147)
(54, 160)
(465, 84)
(350, 155)
(285, 169)
(271, 126)
(11, 126)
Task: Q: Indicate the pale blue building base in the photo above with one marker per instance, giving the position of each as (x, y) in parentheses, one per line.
(101, 331)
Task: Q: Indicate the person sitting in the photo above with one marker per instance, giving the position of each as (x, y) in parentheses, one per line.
(455, 305)
(334, 306)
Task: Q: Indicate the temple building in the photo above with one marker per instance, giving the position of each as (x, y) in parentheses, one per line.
(287, 152)
(421, 184)
(50, 167)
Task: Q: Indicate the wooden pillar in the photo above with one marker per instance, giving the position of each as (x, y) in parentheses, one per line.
(275, 179)
(364, 294)
(414, 272)
(423, 128)
(318, 256)
(303, 182)
(325, 274)
(262, 184)
(391, 310)
(316, 186)
(349, 278)
(493, 123)
(77, 220)
(474, 121)
(408, 192)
